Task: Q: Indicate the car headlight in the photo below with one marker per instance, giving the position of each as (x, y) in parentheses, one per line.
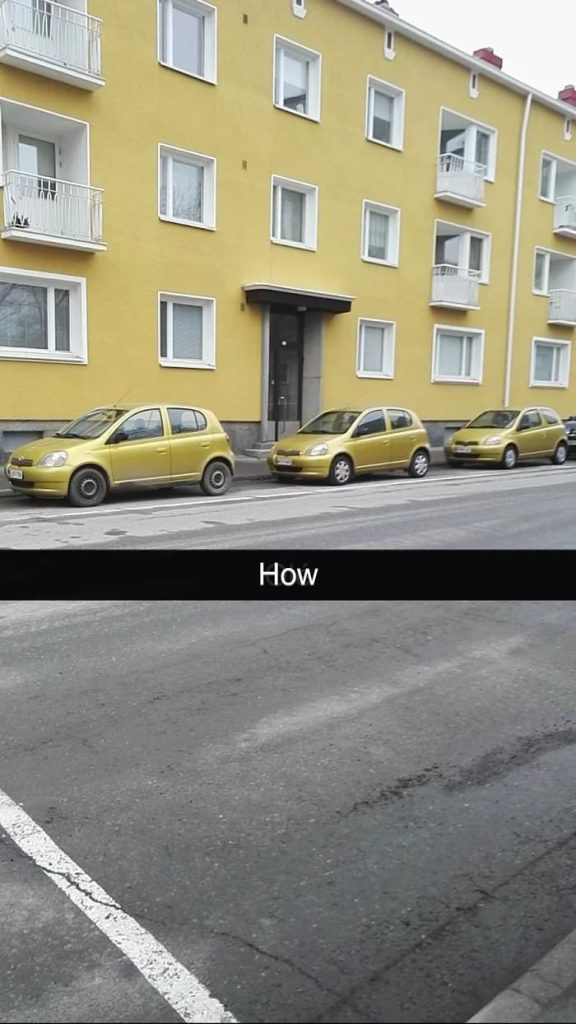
(317, 449)
(493, 439)
(54, 459)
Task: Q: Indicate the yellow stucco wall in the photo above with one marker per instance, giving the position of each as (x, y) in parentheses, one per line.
(143, 104)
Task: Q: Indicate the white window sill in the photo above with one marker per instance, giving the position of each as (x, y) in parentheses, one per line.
(542, 295)
(186, 364)
(546, 199)
(298, 113)
(294, 245)
(455, 380)
(369, 375)
(380, 263)
(186, 223)
(189, 74)
(547, 384)
(387, 145)
(41, 355)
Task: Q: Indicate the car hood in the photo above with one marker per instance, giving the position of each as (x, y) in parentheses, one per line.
(479, 434)
(36, 449)
(301, 442)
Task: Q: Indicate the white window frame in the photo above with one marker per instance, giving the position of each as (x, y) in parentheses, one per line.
(564, 346)
(398, 96)
(209, 192)
(539, 251)
(568, 122)
(209, 13)
(314, 58)
(544, 155)
(78, 319)
(389, 43)
(478, 334)
(310, 213)
(466, 234)
(470, 144)
(393, 213)
(388, 351)
(474, 85)
(299, 8)
(208, 305)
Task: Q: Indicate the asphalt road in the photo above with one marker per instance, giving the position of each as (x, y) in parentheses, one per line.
(530, 507)
(325, 812)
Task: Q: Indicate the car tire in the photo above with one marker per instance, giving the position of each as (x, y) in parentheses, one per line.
(341, 471)
(88, 487)
(419, 464)
(509, 458)
(560, 455)
(216, 478)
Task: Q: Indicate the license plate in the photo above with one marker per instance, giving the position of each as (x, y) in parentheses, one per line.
(281, 461)
(14, 474)
(462, 449)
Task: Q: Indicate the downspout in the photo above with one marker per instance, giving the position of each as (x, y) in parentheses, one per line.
(516, 250)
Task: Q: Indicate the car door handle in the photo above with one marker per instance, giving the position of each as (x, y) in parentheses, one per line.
(163, 450)
(205, 444)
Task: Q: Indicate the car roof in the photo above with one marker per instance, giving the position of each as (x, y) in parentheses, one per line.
(135, 406)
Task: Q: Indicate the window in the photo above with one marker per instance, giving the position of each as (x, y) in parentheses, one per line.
(380, 233)
(294, 213)
(550, 417)
(140, 426)
(296, 79)
(473, 87)
(530, 420)
(389, 51)
(400, 419)
(458, 356)
(473, 143)
(187, 35)
(457, 247)
(547, 177)
(385, 114)
(186, 421)
(372, 423)
(376, 341)
(42, 316)
(550, 363)
(187, 331)
(541, 272)
(187, 187)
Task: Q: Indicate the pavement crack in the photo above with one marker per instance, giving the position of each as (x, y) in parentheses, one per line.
(395, 792)
(503, 760)
(274, 956)
(68, 875)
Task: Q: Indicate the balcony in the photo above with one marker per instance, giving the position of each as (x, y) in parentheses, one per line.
(565, 216)
(53, 40)
(562, 307)
(454, 287)
(460, 181)
(48, 211)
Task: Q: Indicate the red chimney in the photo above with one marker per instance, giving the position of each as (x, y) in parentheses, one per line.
(568, 95)
(487, 54)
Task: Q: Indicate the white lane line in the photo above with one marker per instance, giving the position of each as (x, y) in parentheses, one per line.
(182, 991)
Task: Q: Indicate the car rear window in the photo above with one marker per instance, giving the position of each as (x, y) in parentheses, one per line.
(186, 421)
(550, 416)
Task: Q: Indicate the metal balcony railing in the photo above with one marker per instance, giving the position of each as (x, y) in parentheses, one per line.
(461, 179)
(52, 207)
(53, 32)
(454, 286)
(565, 214)
(562, 306)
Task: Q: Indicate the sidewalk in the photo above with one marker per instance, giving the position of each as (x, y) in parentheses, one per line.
(546, 994)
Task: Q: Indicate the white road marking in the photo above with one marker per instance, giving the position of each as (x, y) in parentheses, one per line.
(198, 504)
(187, 996)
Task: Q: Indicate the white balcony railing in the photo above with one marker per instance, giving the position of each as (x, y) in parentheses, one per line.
(460, 180)
(454, 286)
(51, 207)
(565, 214)
(53, 32)
(562, 306)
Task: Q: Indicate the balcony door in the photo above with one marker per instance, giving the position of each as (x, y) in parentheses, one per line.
(36, 189)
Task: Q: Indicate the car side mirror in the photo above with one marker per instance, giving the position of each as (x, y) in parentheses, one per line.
(523, 425)
(120, 435)
(361, 431)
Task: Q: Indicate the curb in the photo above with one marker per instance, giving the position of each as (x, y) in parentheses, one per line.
(547, 987)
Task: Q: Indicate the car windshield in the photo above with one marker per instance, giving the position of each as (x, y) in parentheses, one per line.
(495, 418)
(92, 425)
(337, 421)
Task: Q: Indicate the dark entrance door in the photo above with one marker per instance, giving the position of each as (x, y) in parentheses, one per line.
(285, 374)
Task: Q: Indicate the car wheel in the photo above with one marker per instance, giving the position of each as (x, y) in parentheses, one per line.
(510, 457)
(216, 479)
(560, 455)
(419, 463)
(88, 487)
(341, 471)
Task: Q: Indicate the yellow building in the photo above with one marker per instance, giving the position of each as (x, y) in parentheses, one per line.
(269, 207)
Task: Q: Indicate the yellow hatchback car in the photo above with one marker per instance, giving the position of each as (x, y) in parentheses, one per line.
(504, 436)
(342, 443)
(151, 445)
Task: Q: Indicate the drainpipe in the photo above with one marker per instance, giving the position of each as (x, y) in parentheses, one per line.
(516, 250)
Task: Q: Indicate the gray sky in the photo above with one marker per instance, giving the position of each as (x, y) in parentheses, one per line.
(536, 38)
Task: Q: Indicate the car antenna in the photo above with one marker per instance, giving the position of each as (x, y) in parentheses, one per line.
(122, 397)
